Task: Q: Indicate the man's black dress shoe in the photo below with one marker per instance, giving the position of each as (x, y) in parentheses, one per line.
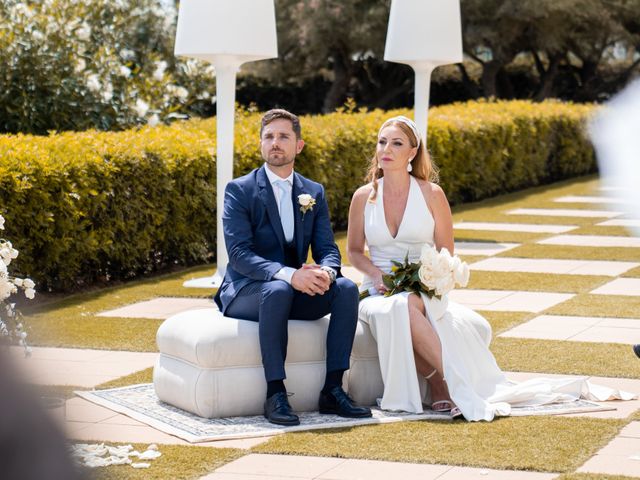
(339, 403)
(277, 410)
(636, 348)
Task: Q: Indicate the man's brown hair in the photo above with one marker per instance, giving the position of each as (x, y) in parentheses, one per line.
(278, 113)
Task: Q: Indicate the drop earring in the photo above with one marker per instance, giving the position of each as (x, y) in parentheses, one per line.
(409, 166)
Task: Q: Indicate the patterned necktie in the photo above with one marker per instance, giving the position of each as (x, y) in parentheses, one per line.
(286, 209)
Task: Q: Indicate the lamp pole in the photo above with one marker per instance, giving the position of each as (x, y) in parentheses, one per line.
(424, 34)
(227, 34)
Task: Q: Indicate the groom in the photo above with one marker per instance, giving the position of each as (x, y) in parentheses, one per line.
(271, 218)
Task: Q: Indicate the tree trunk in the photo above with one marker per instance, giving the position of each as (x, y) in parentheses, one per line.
(341, 78)
(470, 86)
(489, 78)
(547, 77)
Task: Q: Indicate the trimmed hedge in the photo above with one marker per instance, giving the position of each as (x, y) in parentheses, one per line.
(91, 207)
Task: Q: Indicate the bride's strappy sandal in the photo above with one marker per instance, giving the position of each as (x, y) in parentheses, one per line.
(440, 406)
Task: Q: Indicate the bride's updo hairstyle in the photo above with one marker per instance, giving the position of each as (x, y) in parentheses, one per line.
(422, 167)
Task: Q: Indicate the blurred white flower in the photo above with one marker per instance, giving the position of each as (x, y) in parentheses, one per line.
(124, 71)
(28, 283)
(1, 222)
(37, 35)
(127, 54)
(178, 92)
(158, 74)
(29, 293)
(203, 96)
(80, 65)
(93, 83)
(153, 120)
(84, 32)
(141, 108)
(17, 282)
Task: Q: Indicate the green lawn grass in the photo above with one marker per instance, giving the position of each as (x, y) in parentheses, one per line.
(176, 463)
(546, 444)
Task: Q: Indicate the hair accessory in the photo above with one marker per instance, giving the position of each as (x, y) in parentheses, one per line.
(408, 122)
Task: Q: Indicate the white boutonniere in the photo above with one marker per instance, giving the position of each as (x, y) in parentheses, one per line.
(306, 202)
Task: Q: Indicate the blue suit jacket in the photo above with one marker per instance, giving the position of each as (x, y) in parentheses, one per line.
(254, 236)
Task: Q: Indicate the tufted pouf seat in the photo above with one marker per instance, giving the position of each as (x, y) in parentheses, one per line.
(211, 365)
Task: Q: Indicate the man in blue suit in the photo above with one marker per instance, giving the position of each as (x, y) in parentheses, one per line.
(271, 218)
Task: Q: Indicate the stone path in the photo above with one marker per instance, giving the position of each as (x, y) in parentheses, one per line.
(86, 421)
(267, 467)
(579, 329)
(553, 212)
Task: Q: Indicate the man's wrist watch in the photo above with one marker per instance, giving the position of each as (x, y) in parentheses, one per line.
(330, 271)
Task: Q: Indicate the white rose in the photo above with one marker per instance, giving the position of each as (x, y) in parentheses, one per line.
(461, 274)
(28, 283)
(444, 285)
(426, 276)
(141, 108)
(14, 253)
(30, 293)
(17, 282)
(304, 199)
(428, 254)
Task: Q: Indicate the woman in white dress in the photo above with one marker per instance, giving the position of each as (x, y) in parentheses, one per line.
(395, 214)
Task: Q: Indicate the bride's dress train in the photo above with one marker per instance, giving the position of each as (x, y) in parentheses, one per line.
(476, 383)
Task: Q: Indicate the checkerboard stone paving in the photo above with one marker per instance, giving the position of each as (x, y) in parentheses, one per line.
(570, 212)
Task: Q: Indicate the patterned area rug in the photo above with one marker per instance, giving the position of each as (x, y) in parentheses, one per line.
(141, 403)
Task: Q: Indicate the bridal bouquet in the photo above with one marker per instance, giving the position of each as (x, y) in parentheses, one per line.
(435, 274)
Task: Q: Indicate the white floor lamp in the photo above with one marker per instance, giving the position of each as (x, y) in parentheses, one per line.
(424, 34)
(227, 34)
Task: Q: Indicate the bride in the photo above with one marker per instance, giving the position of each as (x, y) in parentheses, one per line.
(421, 339)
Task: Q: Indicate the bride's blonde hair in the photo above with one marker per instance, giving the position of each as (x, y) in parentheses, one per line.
(423, 167)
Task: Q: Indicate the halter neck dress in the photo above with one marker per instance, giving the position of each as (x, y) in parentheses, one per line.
(475, 382)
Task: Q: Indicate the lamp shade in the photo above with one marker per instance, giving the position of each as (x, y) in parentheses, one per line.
(239, 30)
(424, 31)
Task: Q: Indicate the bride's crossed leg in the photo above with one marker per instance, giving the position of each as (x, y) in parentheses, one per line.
(428, 353)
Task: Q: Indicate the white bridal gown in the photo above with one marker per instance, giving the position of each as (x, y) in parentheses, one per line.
(476, 383)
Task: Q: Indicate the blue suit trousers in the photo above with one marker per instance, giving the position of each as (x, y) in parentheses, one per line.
(274, 302)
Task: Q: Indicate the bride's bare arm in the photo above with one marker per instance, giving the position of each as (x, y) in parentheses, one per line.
(355, 235)
(439, 206)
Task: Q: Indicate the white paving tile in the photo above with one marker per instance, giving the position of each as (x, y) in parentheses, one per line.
(508, 300)
(543, 265)
(621, 456)
(281, 465)
(578, 329)
(588, 199)
(159, 308)
(620, 286)
(514, 227)
(592, 241)
(352, 274)
(620, 222)
(482, 248)
(82, 368)
(557, 212)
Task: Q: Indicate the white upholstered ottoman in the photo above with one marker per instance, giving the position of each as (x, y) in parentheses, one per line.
(211, 365)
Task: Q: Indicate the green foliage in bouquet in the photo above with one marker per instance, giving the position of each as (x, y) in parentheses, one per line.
(405, 277)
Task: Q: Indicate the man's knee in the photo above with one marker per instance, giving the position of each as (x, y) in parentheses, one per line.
(278, 291)
(347, 288)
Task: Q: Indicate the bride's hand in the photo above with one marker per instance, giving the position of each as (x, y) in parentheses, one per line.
(378, 284)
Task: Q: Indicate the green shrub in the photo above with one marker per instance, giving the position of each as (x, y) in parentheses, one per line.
(94, 206)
